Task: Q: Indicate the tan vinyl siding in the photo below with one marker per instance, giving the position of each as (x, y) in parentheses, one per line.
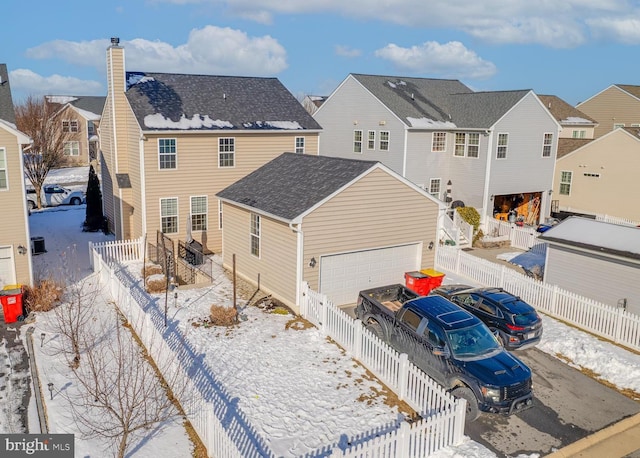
(198, 174)
(616, 160)
(612, 106)
(14, 227)
(376, 211)
(277, 263)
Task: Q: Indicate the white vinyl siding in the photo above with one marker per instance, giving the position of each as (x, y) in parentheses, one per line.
(226, 152)
(169, 215)
(199, 213)
(357, 141)
(167, 153)
(565, 182)
(4, 181)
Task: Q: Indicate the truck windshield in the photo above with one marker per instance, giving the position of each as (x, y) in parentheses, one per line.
(473, 341)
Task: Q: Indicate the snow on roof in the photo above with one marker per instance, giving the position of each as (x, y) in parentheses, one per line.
(135, 78)
(157, 121)
(61, 99)
(430, 123)
(88, 114)
(596, 234)
(576, 120)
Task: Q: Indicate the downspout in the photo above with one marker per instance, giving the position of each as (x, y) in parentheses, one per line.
(487, 175)
(299, 260)
(404, 153)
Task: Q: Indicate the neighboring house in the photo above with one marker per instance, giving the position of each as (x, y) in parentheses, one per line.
(573, 122)
(170, 142)
(342, 225)
(594, 259)
(80, 116)
(15, 243)
(600, 176)
(312, 102)
(494, 151)
(616, 106)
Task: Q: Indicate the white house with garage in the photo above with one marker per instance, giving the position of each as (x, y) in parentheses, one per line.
(341, 225)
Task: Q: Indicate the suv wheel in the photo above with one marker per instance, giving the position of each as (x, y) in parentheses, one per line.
(473, 412)
(76, 201)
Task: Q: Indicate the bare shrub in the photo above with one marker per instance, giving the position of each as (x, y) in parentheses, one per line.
(156, 283)
(222, 316)
(151, 269)
(44, 296)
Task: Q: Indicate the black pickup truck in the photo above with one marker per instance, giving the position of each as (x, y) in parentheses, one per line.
(451, 345)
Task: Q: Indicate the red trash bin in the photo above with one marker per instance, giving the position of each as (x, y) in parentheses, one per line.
(12, 305)
(434, 279)
(417, 281)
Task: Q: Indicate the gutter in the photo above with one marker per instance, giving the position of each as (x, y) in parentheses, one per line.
(299, 259)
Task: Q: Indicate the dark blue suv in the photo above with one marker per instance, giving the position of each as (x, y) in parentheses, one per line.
(515, 323)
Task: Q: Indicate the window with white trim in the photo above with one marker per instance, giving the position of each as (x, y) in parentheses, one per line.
(384, 140)
(4, 179)
(169, 215)
(70, 125)
(438, 142)
(467, 144)
(72, 148)
(461, 140)
(299, 148)
(547, 143)
(220, 214)
(167, 153)
(565, 182)
(434, 187)
(579, 134)
(371, 139)
(199, 213)
(473, 144)
(255, 234)
(503, 143)
(357, 141)
(226, 152)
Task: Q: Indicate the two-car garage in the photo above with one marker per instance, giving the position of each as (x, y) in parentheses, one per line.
(343, 275)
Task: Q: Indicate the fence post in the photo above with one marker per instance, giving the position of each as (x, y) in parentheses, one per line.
(457, 271)
(502, 271)
(303, 300)
(554, 300)
(460, 413)
(357, 339)
(324, 314)
(403, 376)
(402, 439)
(618, 326)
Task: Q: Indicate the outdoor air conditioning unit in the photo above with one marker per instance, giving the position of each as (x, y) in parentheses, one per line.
(37, 245)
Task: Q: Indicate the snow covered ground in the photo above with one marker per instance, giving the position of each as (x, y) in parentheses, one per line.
(298, 390)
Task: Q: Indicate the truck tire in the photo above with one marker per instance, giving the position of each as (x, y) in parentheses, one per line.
(473, 412)
(375, 329)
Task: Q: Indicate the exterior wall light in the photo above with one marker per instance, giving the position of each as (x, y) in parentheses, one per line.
(312, 262)
(22, 250)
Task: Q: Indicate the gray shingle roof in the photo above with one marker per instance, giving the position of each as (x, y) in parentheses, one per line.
(217, 102)
(291, 184)
(7, 111)
(440, 100)
(93, 104)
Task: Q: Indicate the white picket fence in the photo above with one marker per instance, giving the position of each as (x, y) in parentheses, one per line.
(118, 250)
(225, 430)
(610, 322)
(617, 220)
(524, 238)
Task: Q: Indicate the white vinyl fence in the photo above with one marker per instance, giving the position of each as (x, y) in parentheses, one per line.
(612, 323)
(524, 238)
(225, 430)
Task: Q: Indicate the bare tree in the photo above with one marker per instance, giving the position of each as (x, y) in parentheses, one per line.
(37, 118)
(120, 392)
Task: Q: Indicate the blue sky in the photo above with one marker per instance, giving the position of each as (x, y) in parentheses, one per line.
(570, 48)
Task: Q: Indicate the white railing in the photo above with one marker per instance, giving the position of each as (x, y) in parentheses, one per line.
(205, 400)
(119, 250)
(466, 229)
(610, 322)
(524, 238)
(617, 220)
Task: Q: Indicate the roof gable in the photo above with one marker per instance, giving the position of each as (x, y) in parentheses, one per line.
(570, 146)
(289, 185)
(165, 101)
(564, 113)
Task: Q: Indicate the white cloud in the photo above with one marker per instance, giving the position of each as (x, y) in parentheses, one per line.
(30, 83)
(82, 53)
(624, 30)
(560, 24)
(452, 60)
(346, 51)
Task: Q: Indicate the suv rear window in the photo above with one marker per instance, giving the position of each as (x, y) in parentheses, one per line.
(525, 318)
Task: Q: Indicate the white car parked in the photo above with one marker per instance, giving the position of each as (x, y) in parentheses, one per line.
(54, 195)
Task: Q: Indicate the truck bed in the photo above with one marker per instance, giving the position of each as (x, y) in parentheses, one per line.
(394, 306)
(388, 298)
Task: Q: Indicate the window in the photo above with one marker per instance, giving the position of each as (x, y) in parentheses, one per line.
(565, 183)
(72, 148)
(357, 141)
(167, 154)
(91, 129)
(579, 134)
(255, 234)
(434, 187)
(371, 139)
(384, 140)
(618, 125)
(503, 140)
(299, 145)
(635, 125)
(226, 152)
(70, 125)
(4, 183)
(547, 142)
(592, 175)
(169, 215)
(411, 319)
(467, 144)
(438, 142)
(199, 213)
(220, 214)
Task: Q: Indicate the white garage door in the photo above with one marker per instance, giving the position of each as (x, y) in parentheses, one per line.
(343, 276)
(7, 271)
